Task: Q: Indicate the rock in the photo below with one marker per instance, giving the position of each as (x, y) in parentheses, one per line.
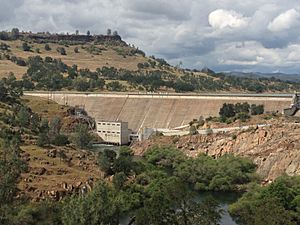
(78, 184)
(38, 171)
(61, 171)
(30, 189)
(274, 149)
(65, 186)
(52, 153)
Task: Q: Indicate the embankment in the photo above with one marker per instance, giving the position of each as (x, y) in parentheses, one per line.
(159, 111)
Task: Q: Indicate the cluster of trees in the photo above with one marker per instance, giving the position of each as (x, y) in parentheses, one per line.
(127, 51)
(155, 189)
(11, 166)
(158, 188)
(51, 133)
(12, 35)
(10, 89)
(48, 74)
(278, 203)
(242, 111)
(190, 81)
(4, 47)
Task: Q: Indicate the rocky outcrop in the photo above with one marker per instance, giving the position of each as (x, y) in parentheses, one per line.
(274, 149)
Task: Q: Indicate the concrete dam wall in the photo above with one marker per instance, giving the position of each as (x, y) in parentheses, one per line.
(159, 111)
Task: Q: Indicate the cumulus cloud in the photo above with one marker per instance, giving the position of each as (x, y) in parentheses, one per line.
(223, 35)
(221, 18)
(285, 21)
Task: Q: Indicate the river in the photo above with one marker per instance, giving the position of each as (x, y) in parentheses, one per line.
(223, 198)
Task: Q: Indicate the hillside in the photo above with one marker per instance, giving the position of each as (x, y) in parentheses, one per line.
(46, 170)
(274, 149)
(281, 76)
(105, 62)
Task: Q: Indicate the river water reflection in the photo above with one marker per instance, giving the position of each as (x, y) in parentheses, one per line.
(224, 199)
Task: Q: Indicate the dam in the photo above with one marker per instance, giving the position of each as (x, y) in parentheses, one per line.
(161, 111)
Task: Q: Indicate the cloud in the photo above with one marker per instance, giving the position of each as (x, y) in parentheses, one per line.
(285, 21)
(223, 35)
(221, 18)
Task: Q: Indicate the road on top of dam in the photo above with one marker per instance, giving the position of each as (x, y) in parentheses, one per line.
(281, 96)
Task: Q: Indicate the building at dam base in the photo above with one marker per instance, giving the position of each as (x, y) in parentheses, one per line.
(113, 132)
(159, 111)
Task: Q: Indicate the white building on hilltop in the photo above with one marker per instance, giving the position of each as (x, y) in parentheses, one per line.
(113, 132)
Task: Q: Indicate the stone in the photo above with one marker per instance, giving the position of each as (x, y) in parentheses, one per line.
(38, 171)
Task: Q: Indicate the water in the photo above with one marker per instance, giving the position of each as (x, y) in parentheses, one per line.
(102, 147)
(224, 200)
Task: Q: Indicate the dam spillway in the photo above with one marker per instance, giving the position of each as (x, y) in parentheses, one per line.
(166, 111)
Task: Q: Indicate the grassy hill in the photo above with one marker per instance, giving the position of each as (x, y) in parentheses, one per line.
(50, 171)
(110, 56)
(100, 63)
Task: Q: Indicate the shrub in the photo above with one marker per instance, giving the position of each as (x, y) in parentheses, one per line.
(61, 50)
(26, 47)
(60, 140)
(47, 47)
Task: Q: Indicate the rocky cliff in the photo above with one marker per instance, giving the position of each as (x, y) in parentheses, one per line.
(275, 149)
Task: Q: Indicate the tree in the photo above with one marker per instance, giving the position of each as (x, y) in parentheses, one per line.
(76, 50)
(124, 163)
(205, 212)
(61, 50)
(77, 32)
(82, 138)
(98, 207)
(60, 140)
(115, 33)
(88, 33)
(15, 33)
(26, 47)
(55, 125)
(227, 111)
(106, 161)
(11, 166)
(43, 139)
(119, 180)
(275, 204)
(23, 117)
(4, 35)
(257, 109)
(108, 33)
(47, 47)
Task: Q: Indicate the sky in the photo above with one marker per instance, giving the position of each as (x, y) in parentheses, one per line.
(224, 35)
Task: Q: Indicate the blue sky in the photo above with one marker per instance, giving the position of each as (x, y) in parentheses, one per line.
(225, 35)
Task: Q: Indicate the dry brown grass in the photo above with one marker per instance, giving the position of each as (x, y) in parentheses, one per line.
(83, 59)
(53, 179)
(7, 66)
(44, 107)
